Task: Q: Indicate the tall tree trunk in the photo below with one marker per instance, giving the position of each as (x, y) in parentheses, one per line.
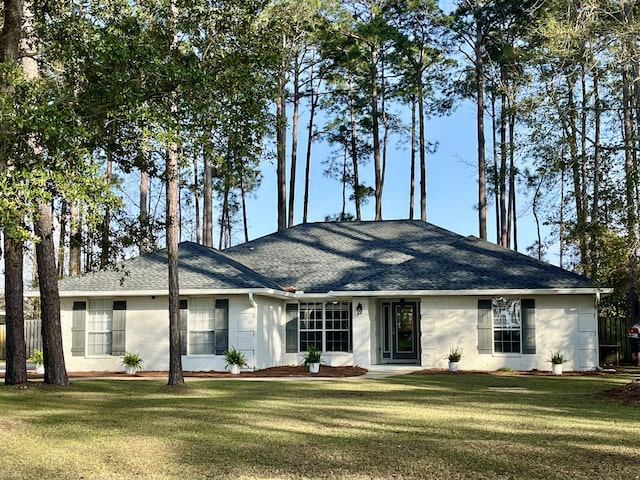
(16, 366)
(224, 217)
(512, 181)
(55, 372)
(207, 223)
(62, 239)
(595, 205)
(75, 240)
(561, 242)
(105, 242)
(385, 126)
(343, 211)
(495, 175)
(243, 199)
(375, 122)
(482, 163)
(281, 141)
(412, 174)
(11, 31)
(172, 199)
(294, 143)
(196, 198)
(354, 153)
(423, 155)
(143, 241)
(307, 170)
(631, 180)
(175, 359)
(16, 356)
(502, 177)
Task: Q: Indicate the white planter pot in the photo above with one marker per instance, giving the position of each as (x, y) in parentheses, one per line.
(453, 366)
(40, 369)
(556, 368)
(314, 367)
(234, 369)
(131, 370)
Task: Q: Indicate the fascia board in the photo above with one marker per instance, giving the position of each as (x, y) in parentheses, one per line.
(479, 292)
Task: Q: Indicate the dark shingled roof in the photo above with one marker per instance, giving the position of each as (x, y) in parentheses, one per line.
(199, 268)
(393, 255)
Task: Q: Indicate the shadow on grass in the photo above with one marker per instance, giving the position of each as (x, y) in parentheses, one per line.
(413, 426)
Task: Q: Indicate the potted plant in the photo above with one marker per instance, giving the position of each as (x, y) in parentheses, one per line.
(557, 359)
(455, 354)
(312, 359)
(132, 362)
(37, 358)
(235, 360)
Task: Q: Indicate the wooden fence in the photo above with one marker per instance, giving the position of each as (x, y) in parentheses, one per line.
(612, 334)
(32, 336)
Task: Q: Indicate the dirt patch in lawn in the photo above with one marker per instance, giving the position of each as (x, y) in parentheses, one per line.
(283, 371)
(628, 394)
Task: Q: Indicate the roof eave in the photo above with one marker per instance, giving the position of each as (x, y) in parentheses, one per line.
(164, 292)
(475, 292)
(334, 293)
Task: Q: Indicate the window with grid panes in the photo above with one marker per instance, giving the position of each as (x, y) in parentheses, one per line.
(326, 326)
(338, 326)
(507, 324)
(311, 319)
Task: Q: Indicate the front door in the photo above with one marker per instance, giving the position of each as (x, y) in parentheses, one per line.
(400, 332)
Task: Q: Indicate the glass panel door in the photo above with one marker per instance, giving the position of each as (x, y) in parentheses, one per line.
(400, 332)
(405, 332)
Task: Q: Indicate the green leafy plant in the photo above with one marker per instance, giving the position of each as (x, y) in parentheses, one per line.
(505, 369)
(313, 355)
(36, 357)
(557, 358)
(455, 354)
(132, 360)
(235, 357)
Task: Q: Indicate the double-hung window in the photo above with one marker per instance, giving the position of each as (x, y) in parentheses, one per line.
(99, 327)
(311, 320)
(507, 325)
(204, 326)
(325, 326)
(201, 326)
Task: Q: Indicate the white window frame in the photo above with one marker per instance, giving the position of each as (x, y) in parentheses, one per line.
(204, 306)
(99, 308)
(320, 307)
(507, 318)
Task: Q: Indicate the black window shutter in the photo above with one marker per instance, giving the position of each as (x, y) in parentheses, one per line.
(118, 331)
(528, 326)
(184, 315)
(291, 335)
(77, 328)
(485, 327)
(221, 342)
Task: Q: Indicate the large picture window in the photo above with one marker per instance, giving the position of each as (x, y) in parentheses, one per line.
(507, 325)
(325, 326)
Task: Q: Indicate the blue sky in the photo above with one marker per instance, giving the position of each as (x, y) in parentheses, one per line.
(451, 185)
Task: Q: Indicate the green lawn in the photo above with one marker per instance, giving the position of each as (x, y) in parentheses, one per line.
(413, 426)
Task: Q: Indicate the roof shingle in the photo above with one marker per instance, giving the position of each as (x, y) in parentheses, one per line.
(394, 255)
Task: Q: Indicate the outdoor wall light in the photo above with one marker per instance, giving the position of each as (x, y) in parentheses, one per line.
(359, 309)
